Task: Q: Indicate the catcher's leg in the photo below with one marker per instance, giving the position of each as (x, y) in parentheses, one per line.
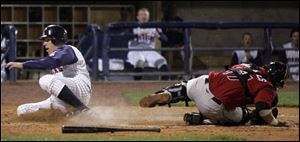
(170, 94)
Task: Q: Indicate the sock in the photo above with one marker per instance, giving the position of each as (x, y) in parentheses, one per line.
(138, 70)
(164, 68)
(67, 96)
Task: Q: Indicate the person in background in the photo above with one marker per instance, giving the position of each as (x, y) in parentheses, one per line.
(291, 57)
(246, 55)
(145, 38)
(175, 35)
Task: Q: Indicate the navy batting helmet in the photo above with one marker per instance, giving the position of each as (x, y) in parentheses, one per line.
(58, 34)
(277, 73)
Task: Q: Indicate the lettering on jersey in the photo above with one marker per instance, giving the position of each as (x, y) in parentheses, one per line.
(235, 78)
(145, 35)
(260, 78)
(246, 65)
(57, 70)
(240, 72)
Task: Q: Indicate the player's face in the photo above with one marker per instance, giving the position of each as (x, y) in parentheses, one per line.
(295, 39)
(247, 41)
(143, 16)
(48, 45)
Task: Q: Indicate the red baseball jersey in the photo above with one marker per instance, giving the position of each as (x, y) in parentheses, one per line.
(228, 89)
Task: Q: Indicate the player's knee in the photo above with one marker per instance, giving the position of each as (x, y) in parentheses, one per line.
(56, 85)
(239, 116)
(160, 62)
(164, 68)
(45, 82)
(140, 64)
(246, 116)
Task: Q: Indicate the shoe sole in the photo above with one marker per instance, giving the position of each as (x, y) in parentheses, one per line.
(152, 100)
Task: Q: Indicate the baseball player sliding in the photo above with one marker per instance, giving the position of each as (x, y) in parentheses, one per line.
(221, 97)
(69, 86)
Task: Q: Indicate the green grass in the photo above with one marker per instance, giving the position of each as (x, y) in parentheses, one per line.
(135, 97)
(287, 99)
(121, 138)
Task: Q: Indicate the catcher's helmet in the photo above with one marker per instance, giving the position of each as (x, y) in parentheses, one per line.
(58, 34)
(277, 73)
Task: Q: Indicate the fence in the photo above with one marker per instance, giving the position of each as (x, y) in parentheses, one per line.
(10, 33)
(187, 26)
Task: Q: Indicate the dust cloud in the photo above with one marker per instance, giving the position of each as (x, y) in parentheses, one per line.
(127, 116)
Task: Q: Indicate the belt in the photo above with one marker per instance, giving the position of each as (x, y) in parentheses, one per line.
(213, 98)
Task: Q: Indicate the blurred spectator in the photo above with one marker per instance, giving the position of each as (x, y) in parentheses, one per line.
(291, 57)
(175, 35)
(126, 14)
(145, 38)
(246, 55)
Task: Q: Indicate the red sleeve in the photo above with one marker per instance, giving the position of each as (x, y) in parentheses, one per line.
(265, 95)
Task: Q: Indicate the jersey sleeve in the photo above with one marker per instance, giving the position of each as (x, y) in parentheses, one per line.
(62, 56)
(265, 98)
(162, 36)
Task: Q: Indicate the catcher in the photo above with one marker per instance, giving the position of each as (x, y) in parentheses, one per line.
(221, 97)
(69, 86)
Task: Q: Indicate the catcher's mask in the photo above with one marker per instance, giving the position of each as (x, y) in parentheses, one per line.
(277, 73)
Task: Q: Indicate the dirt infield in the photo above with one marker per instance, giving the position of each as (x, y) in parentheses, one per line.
(110, 108)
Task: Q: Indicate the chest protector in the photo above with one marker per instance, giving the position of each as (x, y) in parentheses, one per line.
(243, 74)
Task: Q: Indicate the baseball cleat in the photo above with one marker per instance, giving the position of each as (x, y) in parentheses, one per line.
(161, 98)
(26, 108)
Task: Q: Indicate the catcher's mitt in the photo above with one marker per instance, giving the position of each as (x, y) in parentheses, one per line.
(193, 118)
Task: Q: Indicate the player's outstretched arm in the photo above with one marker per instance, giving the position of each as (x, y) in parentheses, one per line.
(271, 120)
(12, 65)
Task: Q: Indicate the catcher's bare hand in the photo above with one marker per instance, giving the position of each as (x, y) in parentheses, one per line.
(282, 124)
(12, 65)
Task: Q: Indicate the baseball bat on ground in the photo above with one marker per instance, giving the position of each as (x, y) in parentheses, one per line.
(84, 129)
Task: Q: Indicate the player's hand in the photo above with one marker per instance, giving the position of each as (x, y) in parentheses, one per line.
(248, 55)
(143, 34)
(282, 124)
(158, 30)
(12, 65)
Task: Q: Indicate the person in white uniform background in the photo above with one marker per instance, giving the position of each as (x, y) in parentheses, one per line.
(69, 86)
(291, 57)
(246, 56)
(146, 39)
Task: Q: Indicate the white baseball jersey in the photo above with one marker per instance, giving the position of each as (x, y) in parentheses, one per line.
(241, 55)
(292, 58)
(145, 39)
(69, 68)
